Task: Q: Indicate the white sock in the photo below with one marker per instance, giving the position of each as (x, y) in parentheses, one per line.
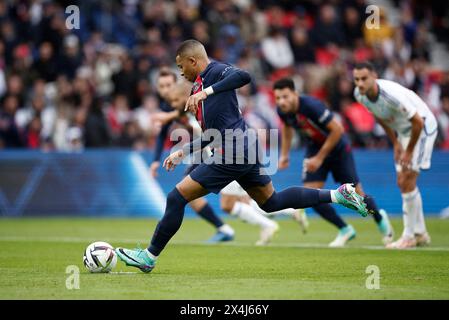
(152, 256)
(249, 214)
(256, 207)
(333, 197)
(226, 228)
(410, 209)
(420, 224)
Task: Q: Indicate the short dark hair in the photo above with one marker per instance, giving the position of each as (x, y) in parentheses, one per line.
(284, 83)
(165, 72)
(364, 65)
(187, 46)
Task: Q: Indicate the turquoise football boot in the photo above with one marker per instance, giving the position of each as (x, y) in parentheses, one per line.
(136, 258)
(348, 197)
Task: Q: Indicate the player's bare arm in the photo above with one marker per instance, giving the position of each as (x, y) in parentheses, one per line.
(397, 147)
(286, 142)
(335, 132)
(417, 126)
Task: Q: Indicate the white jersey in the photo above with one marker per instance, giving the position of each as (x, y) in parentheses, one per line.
(396, 105)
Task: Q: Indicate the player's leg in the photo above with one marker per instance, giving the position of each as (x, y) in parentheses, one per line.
(411, 207)
(344, 171)
(415, 232)
(423, 160)
(380, 216)
(299, 215)
(205, 211)
(234, 200)
(145, 259)
(327, 212)
(259, 187)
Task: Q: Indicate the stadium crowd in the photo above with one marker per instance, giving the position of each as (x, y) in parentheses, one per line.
(69, 89)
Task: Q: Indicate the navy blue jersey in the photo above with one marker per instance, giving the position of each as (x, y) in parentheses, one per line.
(220, 110)
(311, 120)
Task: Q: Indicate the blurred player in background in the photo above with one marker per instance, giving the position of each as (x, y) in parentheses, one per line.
(171, 92)
(327, 150)
(412, 128)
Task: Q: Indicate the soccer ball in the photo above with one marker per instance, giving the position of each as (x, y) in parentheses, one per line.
(100, 257)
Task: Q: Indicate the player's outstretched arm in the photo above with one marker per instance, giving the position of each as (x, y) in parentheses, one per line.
(232, 78)
(417, 126)
(392, 136)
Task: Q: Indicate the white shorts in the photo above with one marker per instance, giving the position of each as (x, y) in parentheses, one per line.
(422, 154)
(234, 189)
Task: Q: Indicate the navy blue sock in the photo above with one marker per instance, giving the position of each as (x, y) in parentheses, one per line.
(170, 222)
(328, 213)
(296, 198)
(208, 214)
(371, 204)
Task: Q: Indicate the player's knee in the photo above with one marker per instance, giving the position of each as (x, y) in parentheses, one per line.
(175, 199)
(227, 203)
(405, 184)
(271, 205)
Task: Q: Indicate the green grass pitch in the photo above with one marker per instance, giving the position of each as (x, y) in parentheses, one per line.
(36, 252)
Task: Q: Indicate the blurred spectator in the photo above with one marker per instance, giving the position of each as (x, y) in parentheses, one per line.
(33, 133)
(276, 50)
(71, 57)
(303, 49)
(45, 66)
(9, 132)
(352, 26)
(328, 29)
(230, 43)
(96, 129)
(125, 81)
(117, 114)
(131, 136)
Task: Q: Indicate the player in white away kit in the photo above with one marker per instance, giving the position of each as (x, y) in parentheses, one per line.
(412, 128)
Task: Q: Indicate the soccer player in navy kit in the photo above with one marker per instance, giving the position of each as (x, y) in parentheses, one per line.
(167, 90)
(177, 98)
(214, 102)
(327, 150)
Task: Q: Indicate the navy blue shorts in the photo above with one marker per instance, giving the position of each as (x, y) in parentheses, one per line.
(189, 169)
(340, 163)
(214, 177)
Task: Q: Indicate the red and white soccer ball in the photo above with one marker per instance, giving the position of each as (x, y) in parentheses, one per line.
(100, 257)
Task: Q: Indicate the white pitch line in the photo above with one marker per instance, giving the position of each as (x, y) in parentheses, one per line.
(122, 272)
(202, 243)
